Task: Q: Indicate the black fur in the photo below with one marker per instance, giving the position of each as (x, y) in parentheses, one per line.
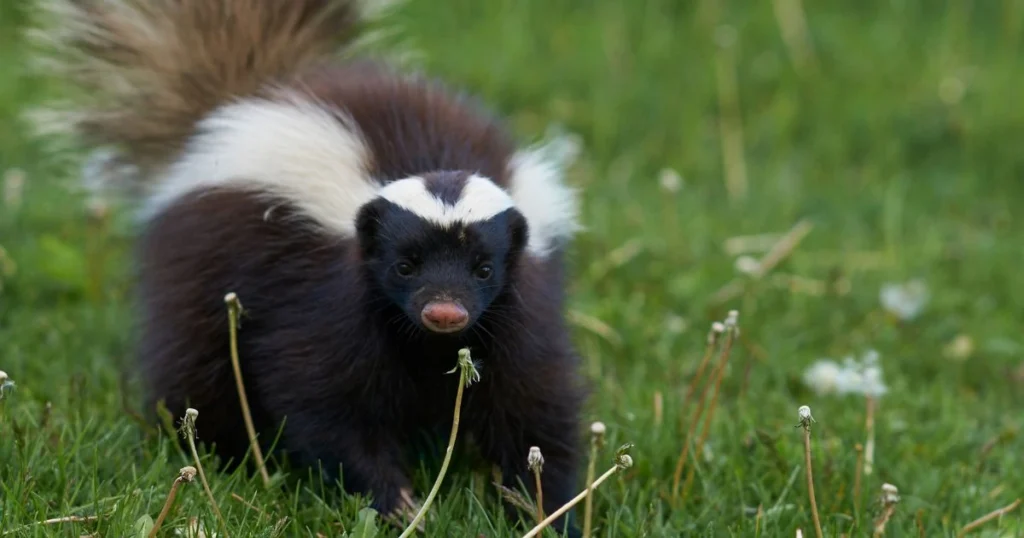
(331, 340)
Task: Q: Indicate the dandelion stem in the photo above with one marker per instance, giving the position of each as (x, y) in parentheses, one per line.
(810, 482)
(54, 521)
(187, 474)
(805, 423)
(856, 480)
(789, 15)
(189, 428)
(730, 121)
(535, 462)
(731, 331)
(659, 408)
(597, 430)
(624, 462)
(234, 312)
(467, 375)
(890, 497)
(588, 505)
(692, 427)
(869, 444)
(989, 517)
(540, 494)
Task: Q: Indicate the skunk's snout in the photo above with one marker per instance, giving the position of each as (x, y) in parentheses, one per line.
(444, 316)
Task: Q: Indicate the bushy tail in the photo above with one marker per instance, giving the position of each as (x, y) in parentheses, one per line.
(145, 72)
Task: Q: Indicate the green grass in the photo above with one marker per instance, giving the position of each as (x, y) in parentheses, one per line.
(898, 183)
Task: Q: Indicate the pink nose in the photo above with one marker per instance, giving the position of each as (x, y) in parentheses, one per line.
(444, 317)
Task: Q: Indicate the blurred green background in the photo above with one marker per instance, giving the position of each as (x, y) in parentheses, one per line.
(893, 128)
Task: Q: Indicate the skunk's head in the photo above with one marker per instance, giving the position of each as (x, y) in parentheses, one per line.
(441, 247)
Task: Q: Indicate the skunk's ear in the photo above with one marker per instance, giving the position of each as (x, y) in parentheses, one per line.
(518, 232)
(368, 225)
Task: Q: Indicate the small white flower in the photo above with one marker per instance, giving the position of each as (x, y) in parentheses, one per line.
(906, 300)
(862, 377)
(5, 384)
(823, 377)
(871, 382)
(670, 180)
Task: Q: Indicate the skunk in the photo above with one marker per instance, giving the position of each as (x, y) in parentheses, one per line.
(372, 223)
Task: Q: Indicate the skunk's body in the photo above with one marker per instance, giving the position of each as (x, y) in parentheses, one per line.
(372, 224)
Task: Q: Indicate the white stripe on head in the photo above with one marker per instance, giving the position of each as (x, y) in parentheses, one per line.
(288, 146)
(479, 200)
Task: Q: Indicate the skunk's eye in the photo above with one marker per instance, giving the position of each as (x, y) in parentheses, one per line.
(405, 269)
(483, 271)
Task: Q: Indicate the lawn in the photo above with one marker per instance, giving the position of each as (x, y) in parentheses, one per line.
(887, 138)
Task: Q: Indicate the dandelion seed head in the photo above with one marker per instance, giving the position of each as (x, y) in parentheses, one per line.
(732, 319)
(624, 461)
(670, 180)
(890, 494)
(597, 428)
(191, 413)
(470, 370)
(187, 473)
(804, 412)
(904, 300)
(535, 459)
